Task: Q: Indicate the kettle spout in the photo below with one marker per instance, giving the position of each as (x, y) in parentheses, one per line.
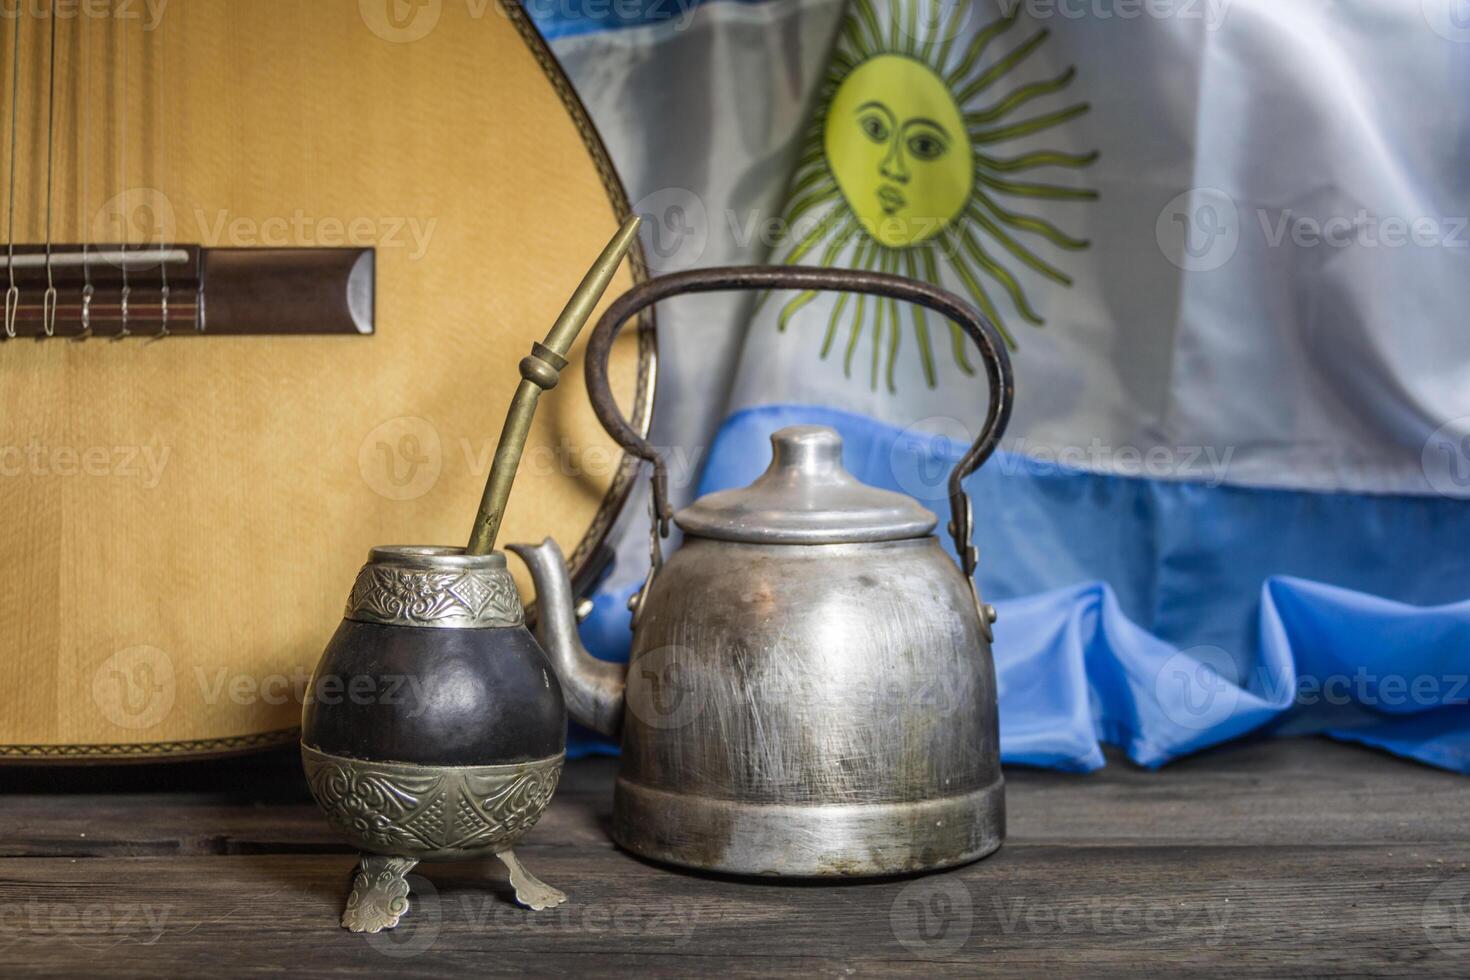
(593, 688)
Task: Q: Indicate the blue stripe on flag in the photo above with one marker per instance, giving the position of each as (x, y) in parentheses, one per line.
(557, 19)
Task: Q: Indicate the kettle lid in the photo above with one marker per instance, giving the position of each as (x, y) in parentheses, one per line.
(806, 496)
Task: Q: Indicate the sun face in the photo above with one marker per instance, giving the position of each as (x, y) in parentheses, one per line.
(896, 144)
(901, 175)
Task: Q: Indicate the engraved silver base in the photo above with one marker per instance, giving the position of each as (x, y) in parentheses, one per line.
(431, 813)
(401, 813)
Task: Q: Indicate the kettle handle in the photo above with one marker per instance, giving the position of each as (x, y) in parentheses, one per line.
(974, 323)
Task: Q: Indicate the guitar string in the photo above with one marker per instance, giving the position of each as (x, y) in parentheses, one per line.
(163, 235)
(86, 141)
(48, 305)
(122, 176)
(12, 296)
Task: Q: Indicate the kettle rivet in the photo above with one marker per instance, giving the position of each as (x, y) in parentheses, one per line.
(990, 614)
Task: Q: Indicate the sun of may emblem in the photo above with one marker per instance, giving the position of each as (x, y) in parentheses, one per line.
(902, 171)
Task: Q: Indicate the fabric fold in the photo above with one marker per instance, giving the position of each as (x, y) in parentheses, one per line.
(1186, 657)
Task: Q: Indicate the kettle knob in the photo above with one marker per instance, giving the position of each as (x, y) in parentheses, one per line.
(807, 450)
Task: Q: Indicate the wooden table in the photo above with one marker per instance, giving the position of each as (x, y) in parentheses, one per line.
(1264, 858)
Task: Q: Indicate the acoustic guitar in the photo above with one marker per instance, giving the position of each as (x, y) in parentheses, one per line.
(269, 266)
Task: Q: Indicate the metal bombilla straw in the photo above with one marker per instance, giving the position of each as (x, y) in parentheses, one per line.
(540, 371)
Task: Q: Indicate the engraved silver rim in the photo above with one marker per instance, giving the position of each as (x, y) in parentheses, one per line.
(435, 587)
(434, 558)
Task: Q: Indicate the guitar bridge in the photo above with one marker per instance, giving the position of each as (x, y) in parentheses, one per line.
(143, 291)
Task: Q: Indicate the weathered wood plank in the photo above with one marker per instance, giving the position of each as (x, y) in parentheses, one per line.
(1029, 909)
(1273, 857)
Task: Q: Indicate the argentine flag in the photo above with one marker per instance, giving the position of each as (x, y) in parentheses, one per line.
(1227, 242)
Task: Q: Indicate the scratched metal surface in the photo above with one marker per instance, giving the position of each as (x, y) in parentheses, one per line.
(811, 674)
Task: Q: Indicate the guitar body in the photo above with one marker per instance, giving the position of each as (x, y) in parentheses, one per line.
(181, 520)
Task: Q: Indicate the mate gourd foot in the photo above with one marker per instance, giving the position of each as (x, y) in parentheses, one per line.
(379, 893)
(531, 891)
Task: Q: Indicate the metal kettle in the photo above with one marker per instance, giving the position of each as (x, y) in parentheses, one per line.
(810, 689)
